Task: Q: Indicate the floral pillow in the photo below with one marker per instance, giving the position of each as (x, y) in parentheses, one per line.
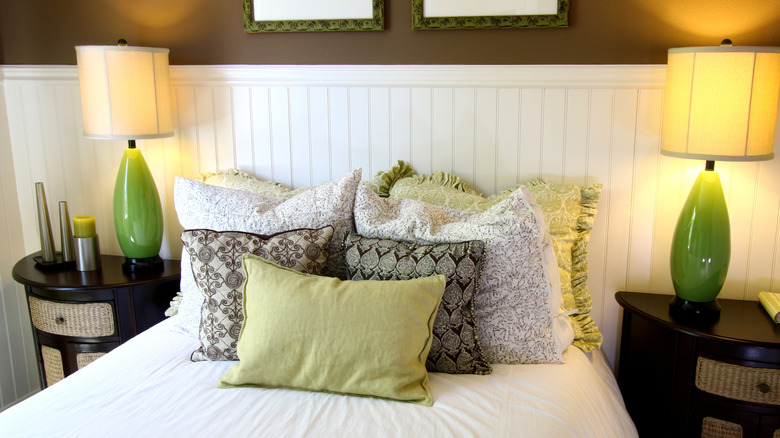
(568, 211)
(517, 303)
(456, 347)
(203, 206)
(216, 260)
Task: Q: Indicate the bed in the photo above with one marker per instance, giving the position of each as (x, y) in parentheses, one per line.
(470, 312)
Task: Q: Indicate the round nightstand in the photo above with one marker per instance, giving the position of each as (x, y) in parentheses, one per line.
(681, 379)
(79, 316)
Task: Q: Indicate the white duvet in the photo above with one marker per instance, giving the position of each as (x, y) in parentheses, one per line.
(149, 388)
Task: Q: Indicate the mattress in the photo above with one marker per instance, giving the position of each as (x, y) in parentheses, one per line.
(149, 387)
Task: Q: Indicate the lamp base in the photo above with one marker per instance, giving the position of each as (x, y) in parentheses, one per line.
(143, 265)
(694, 312)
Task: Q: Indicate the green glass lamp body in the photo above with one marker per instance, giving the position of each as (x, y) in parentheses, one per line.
(701, 245)
(137, 211)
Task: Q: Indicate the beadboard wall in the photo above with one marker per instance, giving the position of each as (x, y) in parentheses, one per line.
(301, 125)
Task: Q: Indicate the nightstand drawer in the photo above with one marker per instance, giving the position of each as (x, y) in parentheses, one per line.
(737, 382)
(87, 320)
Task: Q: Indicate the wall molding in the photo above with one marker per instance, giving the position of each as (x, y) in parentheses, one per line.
(436, 76)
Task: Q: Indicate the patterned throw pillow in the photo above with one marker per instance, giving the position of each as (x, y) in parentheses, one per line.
(569, 212)
(516, 304)
(219, 274)
(456, 347)
(203, 206)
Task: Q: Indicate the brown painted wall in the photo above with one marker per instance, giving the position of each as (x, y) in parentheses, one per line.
(211, 32)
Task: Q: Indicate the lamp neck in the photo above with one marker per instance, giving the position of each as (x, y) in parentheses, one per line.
(131, 144)
(710, 165)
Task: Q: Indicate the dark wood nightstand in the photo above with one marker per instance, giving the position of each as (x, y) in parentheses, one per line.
(678, 379)
(79, 316)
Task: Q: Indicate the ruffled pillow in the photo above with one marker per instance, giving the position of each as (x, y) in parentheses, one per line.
(569, 212)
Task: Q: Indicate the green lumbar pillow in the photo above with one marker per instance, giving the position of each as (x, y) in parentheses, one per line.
(366, 338)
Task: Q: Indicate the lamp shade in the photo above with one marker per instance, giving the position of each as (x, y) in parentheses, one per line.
(125, 92)
(721, 103)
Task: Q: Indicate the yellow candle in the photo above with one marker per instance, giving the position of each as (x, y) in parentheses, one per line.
(84, 226)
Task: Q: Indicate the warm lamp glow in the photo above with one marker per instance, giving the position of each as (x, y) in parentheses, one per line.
(158, 14)
(124, 92)
(721, 103)
(710, 19)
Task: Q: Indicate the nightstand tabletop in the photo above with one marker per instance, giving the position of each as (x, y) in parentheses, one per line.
(740, 321)
(110, 275)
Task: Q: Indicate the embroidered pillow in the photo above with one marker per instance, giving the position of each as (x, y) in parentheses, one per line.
(203, 206)
(455, 348)
(216, 260)
(517, 301)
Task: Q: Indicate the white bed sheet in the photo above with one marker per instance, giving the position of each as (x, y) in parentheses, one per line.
(150, 388)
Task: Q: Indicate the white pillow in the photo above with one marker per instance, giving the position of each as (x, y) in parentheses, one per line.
(203, 206)
(518, 301)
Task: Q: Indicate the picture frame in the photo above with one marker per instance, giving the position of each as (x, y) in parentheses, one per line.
(483, 15)
(313, 15)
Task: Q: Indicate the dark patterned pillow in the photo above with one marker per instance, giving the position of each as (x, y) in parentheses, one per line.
(455, 348)
(219, 275)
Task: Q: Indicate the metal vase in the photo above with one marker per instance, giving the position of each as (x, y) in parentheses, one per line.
(66, 234)
(48, 254)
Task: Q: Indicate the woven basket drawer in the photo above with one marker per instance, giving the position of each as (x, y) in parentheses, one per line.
(715, 428)
(758, 385)
(84, 359)
(87, 320)
(52, 365)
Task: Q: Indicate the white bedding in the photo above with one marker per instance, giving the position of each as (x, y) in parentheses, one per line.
(149, 387)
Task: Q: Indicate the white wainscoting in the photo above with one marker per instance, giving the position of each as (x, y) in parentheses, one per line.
(491, 125)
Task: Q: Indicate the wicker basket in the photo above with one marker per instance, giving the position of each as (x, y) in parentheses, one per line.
(715, 428)
(52, 365)
(88, 320)
(757, 385)
(84, 359)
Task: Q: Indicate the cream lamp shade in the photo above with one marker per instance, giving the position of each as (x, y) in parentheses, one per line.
(125, 92)
(721, 103)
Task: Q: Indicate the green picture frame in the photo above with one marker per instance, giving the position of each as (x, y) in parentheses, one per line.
(420, 22)
(375, 23)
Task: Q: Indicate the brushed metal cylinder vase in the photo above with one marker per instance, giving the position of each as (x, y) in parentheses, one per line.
(87, 253)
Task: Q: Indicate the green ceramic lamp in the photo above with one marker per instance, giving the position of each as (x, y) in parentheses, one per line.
(125, 95)
(720, 104)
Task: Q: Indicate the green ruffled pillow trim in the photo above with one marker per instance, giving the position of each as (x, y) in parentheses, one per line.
(383, 181)
(589, 337)
(206, 175)
(448, 180)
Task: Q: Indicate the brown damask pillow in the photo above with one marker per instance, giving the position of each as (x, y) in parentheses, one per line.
(219, 274)
(455, 348)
